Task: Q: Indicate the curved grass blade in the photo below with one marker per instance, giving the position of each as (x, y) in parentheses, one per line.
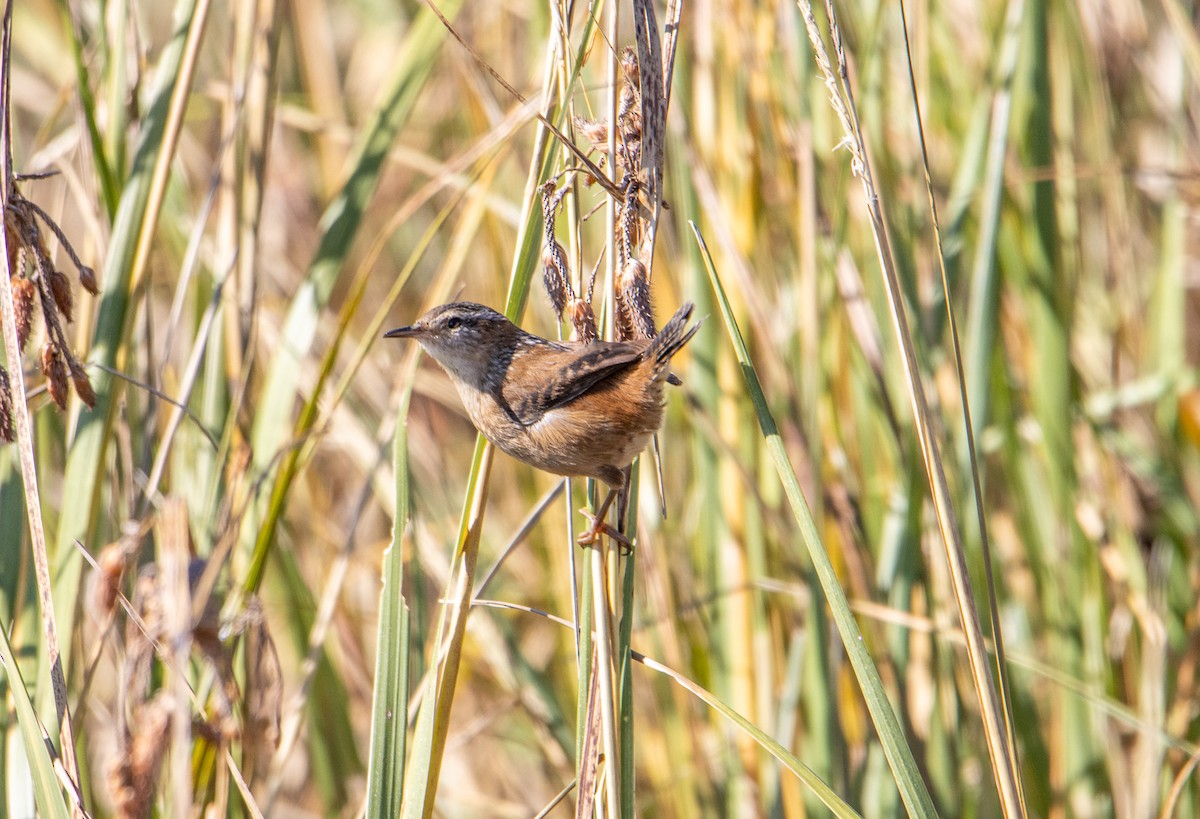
(433, 720)
(844, 106)
(101, 159)
(891, 735)
(1004, 688)
(389, 703)
(50, 799)
(826, 794)
(806, 775)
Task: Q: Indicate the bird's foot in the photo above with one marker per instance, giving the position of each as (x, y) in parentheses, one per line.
(602, 527)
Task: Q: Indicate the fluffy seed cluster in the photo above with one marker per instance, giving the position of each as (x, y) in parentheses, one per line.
(36, 282)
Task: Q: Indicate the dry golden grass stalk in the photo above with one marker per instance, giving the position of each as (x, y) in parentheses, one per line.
(20, 235)
(992, 710)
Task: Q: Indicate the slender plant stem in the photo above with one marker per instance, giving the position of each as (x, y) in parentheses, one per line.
(33, 502)
(604, 675)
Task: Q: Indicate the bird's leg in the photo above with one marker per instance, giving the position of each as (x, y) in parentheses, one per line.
(622, 538)
(600, 525)
(623, 508)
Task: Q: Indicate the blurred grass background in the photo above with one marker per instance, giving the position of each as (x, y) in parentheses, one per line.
(333, 168)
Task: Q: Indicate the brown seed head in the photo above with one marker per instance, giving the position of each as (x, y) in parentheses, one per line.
(13, 240)
(635, 313)
(555, 278)
(106, 580)
(583, 320)
(133, 777)
(629, 65)
(56, 374)
(60, 286)
(83, 385)
(24, 293)
(87, 277)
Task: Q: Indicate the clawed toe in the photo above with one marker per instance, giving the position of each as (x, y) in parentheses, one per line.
(602, 527)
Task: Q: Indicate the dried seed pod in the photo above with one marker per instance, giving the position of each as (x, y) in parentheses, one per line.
(629, 107)
(631, 130)
(106, 580)
(56, 374)
(629, 65)
(624, 330)
(60, 286)
(629, 223)
(83, 385)
(583, 320)
(555, 278)
(24, 294)
(133, 776)
(634, 309)
(263, 699)
(628, 110)
(12, 239)
(87, 278)
(7, 433)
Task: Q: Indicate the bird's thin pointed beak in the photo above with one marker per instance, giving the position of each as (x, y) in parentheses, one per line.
(403, 332)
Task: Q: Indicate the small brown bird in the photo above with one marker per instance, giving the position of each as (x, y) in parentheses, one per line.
(565, 407)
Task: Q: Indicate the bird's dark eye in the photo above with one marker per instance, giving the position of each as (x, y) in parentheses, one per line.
(453, 323)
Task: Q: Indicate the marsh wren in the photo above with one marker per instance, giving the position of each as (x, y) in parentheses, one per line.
(569, 408)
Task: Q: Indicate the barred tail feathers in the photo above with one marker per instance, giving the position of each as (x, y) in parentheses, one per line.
(674, 334)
